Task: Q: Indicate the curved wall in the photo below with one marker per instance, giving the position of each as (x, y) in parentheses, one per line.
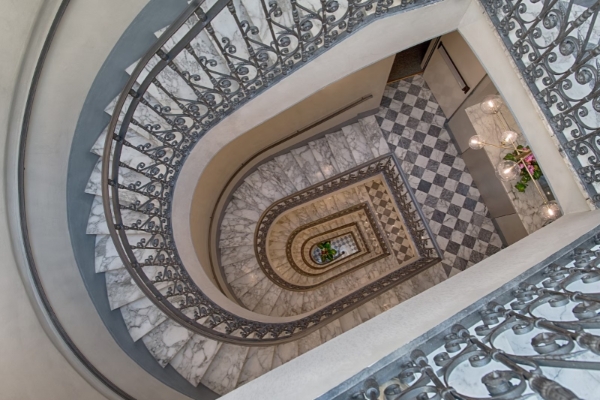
(262, 121)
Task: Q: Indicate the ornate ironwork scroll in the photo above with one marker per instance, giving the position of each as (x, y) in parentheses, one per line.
(538, 339)
(556, 47)
(206, 65)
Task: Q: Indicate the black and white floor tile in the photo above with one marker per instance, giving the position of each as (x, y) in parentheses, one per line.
(390, 221)
(413, 124)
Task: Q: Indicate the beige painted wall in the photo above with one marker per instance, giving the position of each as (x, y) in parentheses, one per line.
(34, 362)
(441, 81)
(368, 81)
(31, 368)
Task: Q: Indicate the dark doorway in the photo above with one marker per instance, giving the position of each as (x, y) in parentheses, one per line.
(408, 62)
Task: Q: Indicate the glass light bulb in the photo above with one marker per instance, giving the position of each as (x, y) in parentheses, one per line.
(476, 142)
(550, 211)
(508, 137)
(508, 170)
(491, 104)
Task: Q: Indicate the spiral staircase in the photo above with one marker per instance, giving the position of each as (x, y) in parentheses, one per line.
(191, 80)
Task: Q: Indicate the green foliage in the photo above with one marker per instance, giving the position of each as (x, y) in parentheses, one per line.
(525, 163)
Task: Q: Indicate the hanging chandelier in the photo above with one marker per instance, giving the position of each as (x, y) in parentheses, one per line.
(519, 162)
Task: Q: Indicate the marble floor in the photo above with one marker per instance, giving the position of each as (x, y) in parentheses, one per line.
(413, 125)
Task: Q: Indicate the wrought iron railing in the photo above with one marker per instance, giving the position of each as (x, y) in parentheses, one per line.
(203, 67)
(555, 45)
(538, 339)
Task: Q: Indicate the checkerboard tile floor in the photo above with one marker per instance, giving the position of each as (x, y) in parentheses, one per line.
(346, 241)
(413, 124)
(390, 221)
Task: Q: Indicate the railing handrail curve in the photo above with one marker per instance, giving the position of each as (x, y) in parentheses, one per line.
(252, 333)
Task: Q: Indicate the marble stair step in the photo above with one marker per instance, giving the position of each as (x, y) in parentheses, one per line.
(340, 149)
(308, 164)
(242, 209)
(361, 151)
(238, 269)
(106, 256)
(247, 282)
(195, 357)
(258, 362)
(122, 289)
(97, 219)
(224, 371)
(127, 177)
(324, 158)
(166, 340)
(309, 342)
(284, 353)
(266, 304)
(350, 320)
(271, 171)
(290, 167)
(330, 331)
(231, 255)
(234, 239)
(141, 316)
(372, 132)
(143, 114)
(202, 46)
(169, 79)
(250, 195)
(232, 223)
(270, 189)
(253, 296)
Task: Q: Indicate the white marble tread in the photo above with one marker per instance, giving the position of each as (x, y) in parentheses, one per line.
(290, 167)
(266, 304)
(271, 171)
(340, 149)
(238, 269)
(361, 151)
(374, 136)
(324, 157)
(270, 189)
(243, 284)
(258, 362)
(230, 255)
(309, 342)
(350, 320)
(122, 289)
(234, 239)
(195, 357)
(251, 298)
(307, 163)
(165, 341)
(231, 223)
(97, 220)
(141, 316)
(330, 331)
(284, 353)
(106, 256)
(252, 196)
(224, 370)
(242, 209)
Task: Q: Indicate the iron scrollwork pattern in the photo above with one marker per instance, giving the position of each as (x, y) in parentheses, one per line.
(541, 339)
(555, 44)
(203, 67)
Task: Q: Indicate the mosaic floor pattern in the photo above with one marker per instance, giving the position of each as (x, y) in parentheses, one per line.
(413, 125)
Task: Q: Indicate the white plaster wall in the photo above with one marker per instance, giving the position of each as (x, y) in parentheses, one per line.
(30, 365)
